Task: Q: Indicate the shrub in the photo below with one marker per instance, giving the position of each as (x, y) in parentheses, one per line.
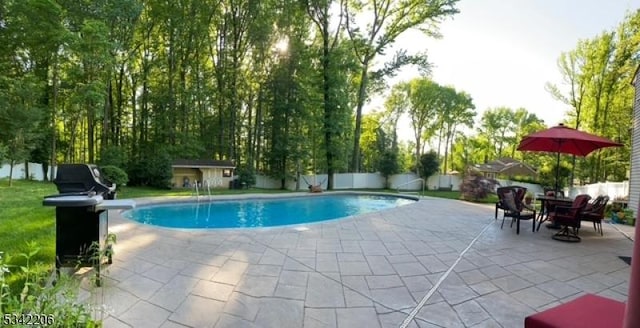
(246, 175)
(115, 174)
(429, 164)
(55, 306)
(388, 165)
(153, 170)
(113, 155)
(475, 186)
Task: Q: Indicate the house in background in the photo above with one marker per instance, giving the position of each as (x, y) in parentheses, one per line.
(505, 167)
(186, 172)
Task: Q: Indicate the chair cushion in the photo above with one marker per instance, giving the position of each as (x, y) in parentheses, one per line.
(586, 311)
(510, 201)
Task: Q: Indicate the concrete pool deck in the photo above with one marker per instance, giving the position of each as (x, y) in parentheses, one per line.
(435, 263)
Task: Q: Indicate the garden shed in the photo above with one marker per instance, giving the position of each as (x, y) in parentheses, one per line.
(217, 173)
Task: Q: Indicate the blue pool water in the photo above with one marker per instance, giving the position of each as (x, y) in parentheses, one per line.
(261, 212)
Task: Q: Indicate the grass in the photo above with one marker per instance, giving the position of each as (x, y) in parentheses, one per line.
(23, 218)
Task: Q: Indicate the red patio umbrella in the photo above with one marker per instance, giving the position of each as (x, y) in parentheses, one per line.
(562, 139)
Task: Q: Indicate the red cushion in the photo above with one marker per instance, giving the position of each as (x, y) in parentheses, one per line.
(586, 311)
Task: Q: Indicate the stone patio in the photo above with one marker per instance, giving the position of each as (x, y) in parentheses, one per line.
(435, 263)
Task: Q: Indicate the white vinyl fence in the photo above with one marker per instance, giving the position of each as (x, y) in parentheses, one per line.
(612, 189)
(20, 172)
(341, 181)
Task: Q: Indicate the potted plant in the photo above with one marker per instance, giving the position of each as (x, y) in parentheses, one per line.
(528, 198)
(629, 218)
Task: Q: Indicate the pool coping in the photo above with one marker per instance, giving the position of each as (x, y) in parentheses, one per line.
(144, 201)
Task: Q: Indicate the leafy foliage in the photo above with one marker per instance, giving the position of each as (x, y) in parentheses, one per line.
(116, 175)
(154, 170)
(429, 164)
(246, 175)
(388, 164)
(476, 187)
(113, 155)
(58, 303)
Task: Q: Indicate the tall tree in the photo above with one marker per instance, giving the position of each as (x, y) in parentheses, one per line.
(373, 25)
(497, 124)
(426, 100)
(320, 13)
(457, 110)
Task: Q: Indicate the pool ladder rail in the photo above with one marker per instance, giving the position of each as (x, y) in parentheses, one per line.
(422, 182)
(196, 190)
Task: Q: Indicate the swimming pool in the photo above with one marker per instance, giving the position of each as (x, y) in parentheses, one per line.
(251, 213)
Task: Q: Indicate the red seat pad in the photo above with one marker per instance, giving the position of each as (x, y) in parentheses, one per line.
(585, 311)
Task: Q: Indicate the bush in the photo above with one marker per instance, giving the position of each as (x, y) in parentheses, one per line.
(429, 164)
(476, 187)
(153, 170)
(388, 165)
(54, 306)
(113, 155)
(115, 174)
(246, 175)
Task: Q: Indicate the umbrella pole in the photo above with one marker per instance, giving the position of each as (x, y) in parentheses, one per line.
(557, 173)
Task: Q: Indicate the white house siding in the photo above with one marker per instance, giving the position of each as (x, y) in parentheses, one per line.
(634, 178)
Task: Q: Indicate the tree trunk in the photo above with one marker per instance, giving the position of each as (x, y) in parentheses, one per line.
(328, 103)
(11, 163)
(355, 160)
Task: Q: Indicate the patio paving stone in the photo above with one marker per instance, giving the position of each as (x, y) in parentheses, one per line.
(368, 270)
(320, 318)
(198, 311)
(357, 317)
(243, 306)
(172, 294)
(381, 282)
(144, 315)
(396, 298)
(441, 314)
(511, 283)
(379, 265)
(277, 313)
(471, 313)
(533, 297)
(212, 290)
(140, 286)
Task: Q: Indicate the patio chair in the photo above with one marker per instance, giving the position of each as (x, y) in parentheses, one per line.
(549, 206)
(520, 192)
(594, 212)
(517, 210)
(568, 218)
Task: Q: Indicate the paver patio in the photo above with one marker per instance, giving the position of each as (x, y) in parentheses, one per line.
(435, 263)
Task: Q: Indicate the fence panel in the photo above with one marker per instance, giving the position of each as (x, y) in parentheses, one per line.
(612, 189)
(405, 181)
(19, 172)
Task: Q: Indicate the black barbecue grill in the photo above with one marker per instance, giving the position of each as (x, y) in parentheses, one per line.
(83, 178)
(81, 215)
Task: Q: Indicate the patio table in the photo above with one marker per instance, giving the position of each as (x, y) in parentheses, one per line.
(544, 206)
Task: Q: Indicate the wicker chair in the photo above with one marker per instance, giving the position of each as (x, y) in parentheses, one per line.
(594, 212)
(569, 219)
(519, 193)
(516, 209)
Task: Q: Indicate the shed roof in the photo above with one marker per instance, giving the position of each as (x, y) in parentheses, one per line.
(193, 163)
